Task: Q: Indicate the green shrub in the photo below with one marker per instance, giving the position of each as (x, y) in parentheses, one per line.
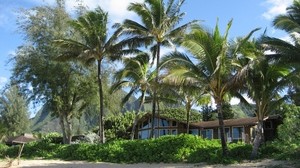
(11, 151)
(3, 149)
(168, 149)
(287, 146)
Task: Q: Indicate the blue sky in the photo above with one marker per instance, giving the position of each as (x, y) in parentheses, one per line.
(246, 16)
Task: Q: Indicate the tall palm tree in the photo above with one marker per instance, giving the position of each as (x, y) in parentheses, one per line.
(157, 28)
(136, 74)
(265, 80)
(211, 65)
(287, 52)
(93, 44)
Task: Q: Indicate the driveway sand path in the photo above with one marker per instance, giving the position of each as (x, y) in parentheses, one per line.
(82, 164)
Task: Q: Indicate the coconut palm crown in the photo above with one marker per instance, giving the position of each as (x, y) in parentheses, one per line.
(157, 28)
(210, 66)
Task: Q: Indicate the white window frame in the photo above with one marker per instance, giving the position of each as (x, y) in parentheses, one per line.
(240, 138)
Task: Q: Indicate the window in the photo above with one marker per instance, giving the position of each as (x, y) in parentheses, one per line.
(163, 132)
(207, 133)
(237, 132)
(174, 123)
(164, 123)
(173, 132)
(156, 133)
(145, 125)
(194, 131)
(144, 134)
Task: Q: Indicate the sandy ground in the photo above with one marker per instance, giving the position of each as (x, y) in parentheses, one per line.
(81, 164)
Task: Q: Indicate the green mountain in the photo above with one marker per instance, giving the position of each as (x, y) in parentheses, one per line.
(44, 122)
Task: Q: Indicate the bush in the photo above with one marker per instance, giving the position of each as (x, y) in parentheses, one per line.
(287, 146)
(3, 149)
(168, 149)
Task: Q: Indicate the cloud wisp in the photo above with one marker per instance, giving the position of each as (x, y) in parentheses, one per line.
(275, 7)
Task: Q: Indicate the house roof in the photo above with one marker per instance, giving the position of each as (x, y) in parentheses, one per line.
(24, 138)
(230, 122)
(211, 124)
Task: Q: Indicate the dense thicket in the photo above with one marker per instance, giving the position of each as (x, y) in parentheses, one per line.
(167, 149)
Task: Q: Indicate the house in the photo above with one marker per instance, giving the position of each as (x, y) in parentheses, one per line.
(242, 129)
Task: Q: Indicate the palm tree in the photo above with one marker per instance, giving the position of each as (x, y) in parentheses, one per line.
(184, 92)
(92, 45)
(137, 75)
(289, 22)
(287, 52)
(210, 66)
(272, 73)
(157, 28)
(265, 80)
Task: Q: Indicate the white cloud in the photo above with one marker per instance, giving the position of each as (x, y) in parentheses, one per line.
(275, 7)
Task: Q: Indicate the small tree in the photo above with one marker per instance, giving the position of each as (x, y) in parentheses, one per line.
(14, 115)
(207, 113)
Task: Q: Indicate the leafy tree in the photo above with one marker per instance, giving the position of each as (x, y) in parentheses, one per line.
(117, 126)
(64, 87)
(288, 132)
(93, 44)
(157, 29)
(14, 115)
(207, 113)
(227, 111)
(211, 65)
(180, 114)
(137, 75)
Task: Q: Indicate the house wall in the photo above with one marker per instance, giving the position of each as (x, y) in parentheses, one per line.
(247, 136)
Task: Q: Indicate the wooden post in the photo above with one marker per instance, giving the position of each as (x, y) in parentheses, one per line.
(20, 152)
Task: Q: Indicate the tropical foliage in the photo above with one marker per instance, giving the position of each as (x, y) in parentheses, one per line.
(14, 115)
(158, 28)
(183, 148)
(65, 63)
(210, 67)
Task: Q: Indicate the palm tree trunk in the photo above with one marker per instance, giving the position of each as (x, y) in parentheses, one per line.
(136, 116)
(188, 113)
(221, 127)
(155, 90)
(158, 115)
(258, 139)
(101, 122)
(153, 114)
